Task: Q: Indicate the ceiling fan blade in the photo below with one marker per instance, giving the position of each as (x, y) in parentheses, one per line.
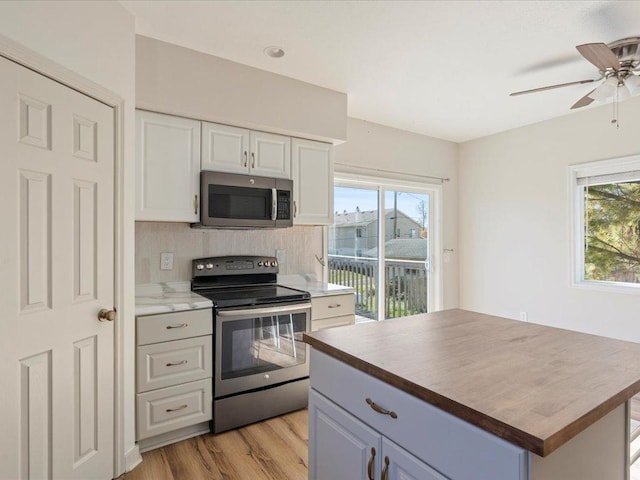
(600, 55)
(550, 87)
(584, 101)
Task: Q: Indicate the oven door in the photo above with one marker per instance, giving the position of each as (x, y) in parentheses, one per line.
(259, 347)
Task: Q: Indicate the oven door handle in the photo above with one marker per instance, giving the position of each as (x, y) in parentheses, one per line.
(257, 312)
(274, 204)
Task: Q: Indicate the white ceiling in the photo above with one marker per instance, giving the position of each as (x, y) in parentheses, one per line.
(440, 68)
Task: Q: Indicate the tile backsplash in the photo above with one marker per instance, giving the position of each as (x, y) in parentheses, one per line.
(300, 245)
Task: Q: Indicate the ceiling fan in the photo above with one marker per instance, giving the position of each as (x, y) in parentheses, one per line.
(618, 64)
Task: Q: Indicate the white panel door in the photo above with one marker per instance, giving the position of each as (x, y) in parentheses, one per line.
(312, 174)
(167, 168)
(340, 445)
(270, 155)
(56, 273)
(225, 148)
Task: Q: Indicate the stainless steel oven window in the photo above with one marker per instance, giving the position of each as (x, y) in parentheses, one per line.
(260, 347)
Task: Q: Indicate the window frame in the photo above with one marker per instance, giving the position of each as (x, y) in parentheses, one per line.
(372, 182)
(576, 204)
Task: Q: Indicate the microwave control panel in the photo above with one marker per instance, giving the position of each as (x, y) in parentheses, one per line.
(284, 205)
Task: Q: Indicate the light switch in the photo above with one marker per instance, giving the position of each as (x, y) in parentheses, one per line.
(166, 261)
(281, 256)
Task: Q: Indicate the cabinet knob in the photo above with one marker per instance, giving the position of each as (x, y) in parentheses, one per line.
(181, 407)
(245, 158)
(295, 208)
(385, 469)
(195, 204)
(253, 160)
(370, 472)
(379, 409)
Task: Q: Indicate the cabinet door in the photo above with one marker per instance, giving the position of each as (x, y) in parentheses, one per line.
(167, 168)
(401, 465)
(312, 173)
(340, 446)
(225, 148)
(270, 155)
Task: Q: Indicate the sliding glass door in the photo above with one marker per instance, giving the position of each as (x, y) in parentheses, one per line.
(406, 253)
(381, 245)
(353, 244)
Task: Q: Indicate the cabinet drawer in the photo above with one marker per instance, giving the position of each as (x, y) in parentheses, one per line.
(332, 306)
(173, 326)
(171, 363)
(333, 322)
(168, 409)
(433, 435)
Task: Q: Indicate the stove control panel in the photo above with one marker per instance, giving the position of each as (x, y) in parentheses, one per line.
(234, 265)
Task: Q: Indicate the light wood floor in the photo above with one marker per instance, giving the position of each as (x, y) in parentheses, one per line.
(275, 449)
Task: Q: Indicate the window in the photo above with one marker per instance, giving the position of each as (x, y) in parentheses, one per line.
(606, 223)
(379, 246)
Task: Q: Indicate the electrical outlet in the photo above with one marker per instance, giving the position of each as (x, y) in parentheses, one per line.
(524, 316)
(166, 261)
(281, 257)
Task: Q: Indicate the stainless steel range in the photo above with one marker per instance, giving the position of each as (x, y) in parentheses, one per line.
(261, 364)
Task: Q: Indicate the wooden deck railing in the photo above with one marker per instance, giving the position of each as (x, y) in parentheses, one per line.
(405, 284)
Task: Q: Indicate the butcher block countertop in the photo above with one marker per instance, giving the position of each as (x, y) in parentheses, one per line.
(534, 386)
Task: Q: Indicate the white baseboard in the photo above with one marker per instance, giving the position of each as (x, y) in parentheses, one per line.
(132, 458)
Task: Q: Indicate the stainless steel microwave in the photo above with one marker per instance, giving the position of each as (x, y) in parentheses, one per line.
(230, 200)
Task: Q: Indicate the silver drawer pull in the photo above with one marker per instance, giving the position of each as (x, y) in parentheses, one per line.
(181, 407)
(174, 364)
(381, 410)
(182, 325)
(335, 305)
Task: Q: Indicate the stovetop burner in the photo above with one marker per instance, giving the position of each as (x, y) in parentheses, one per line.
(253, 295)
(235, 281)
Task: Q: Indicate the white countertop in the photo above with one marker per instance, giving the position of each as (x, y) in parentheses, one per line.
(168, 297)
(310, 284)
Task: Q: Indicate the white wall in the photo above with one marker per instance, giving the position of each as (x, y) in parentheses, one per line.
(96, 40)
(514, 222)
(300, 245)
(374, 146)
(180, 81)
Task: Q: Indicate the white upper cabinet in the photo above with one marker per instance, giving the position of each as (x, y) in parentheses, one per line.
(169, 158)
(167, 168)
(225, 148)
(237, 150)
(312, 174)
(270, 155)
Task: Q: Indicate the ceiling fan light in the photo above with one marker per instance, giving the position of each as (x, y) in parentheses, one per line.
(632, 82)
(607, 89)
(623, 93)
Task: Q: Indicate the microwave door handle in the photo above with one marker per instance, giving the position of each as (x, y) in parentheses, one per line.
(274, 204)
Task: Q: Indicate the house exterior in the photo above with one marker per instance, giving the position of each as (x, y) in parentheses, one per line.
(354, 233)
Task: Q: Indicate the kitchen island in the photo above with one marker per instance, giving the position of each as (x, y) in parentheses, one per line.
(460, 395)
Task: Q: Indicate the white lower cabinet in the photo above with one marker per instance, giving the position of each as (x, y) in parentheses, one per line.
(344, 447)
(332, 311)
(174, 389)
(351, 412)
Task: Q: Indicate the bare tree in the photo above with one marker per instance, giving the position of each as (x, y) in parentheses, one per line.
(423, 212)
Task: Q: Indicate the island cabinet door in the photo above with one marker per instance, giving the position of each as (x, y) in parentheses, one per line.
(340, 446)
(398, 464)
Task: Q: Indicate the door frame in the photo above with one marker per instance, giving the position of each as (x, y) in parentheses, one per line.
(42, 65)
(435, 211)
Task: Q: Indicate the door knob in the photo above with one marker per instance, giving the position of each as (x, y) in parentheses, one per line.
(106, 315)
